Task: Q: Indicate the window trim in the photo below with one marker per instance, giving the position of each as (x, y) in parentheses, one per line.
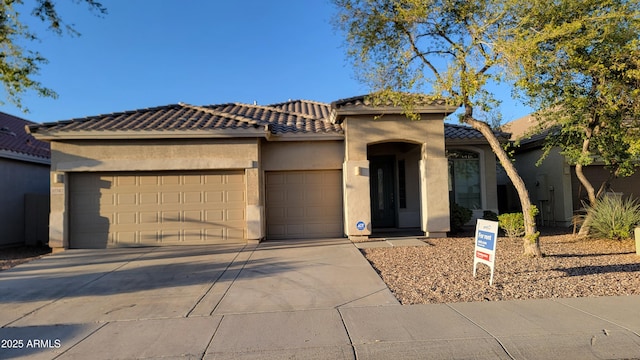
(482, 169)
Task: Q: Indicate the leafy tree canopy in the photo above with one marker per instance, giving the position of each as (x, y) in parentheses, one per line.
(578, 62)
(19, 64)
(440, 47)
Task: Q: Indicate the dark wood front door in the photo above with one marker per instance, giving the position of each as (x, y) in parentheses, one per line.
(382, 185)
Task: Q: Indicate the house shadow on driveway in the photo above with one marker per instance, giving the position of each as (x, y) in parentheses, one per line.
(81, 286)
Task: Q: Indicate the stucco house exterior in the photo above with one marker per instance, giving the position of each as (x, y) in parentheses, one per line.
(553, 185)
(24, 180)
(184, 174)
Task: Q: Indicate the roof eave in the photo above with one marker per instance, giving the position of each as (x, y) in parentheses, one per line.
(529, 145)
(338, 115)
(148, 134)
(7, 154)
(471, 141)
(305, 137)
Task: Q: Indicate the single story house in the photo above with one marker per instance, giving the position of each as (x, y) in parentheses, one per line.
(553, 185)
(184, 174)
(24, 180)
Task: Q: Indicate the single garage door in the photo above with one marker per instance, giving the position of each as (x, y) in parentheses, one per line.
(150, 209)
(304, 204)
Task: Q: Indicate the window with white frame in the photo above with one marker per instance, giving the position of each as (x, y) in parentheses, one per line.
(464, 178)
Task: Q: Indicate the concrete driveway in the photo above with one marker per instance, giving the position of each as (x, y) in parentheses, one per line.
(196, 301)
(290, 299)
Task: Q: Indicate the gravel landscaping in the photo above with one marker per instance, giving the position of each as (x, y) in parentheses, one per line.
(442, 272)
(12, 256)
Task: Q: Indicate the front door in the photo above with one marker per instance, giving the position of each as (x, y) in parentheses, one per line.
(382, 185)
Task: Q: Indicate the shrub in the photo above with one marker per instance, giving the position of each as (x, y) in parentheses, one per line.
(458, 216)
(613, 217)
(512, 224)
(489, 215)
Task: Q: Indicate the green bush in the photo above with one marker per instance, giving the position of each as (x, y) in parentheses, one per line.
(613, 217)
(512, 224)
(489, 215)
(458, 216)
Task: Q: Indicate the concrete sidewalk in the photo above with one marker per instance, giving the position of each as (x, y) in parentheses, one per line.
(287, 299)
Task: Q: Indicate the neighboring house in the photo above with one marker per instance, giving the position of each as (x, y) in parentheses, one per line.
(183, 174)
(24, 180)
(553, 185)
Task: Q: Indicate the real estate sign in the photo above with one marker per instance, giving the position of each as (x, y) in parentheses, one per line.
(485, 249)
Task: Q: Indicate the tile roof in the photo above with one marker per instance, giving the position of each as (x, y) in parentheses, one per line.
(462, 132)
(299, 116)
(293, 116)
(364, 101)
(15, 139)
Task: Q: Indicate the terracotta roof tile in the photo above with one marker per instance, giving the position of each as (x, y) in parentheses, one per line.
(290, 117)
(462, 132)
(299, 116)
(14, 138)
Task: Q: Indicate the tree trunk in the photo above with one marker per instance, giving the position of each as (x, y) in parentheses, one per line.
(531, 238)
(591, 192)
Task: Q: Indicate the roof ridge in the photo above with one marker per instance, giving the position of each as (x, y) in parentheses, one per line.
(82, 119)
(17, 117)
(272, 107)
(301, 100)
(239, 118)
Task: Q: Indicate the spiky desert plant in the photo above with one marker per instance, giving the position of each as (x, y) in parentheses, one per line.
(614, 217)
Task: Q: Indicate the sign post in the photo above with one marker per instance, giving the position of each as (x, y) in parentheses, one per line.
(485, 249)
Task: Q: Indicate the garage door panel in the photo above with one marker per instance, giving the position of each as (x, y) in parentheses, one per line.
(293, 178)
(192, 198)
(170, 198)
(193, 216)
(149, 217)
(235, 215)
(214, 196)
(236, 196)
(295, 213)
(157, 208)
(304, 204)
(170, 180)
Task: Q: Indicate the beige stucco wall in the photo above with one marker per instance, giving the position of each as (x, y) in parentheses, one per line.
(549, 185)
(133, 155)
(597, 174)
(302, 155)
(148, 155)
(363, 130)
(428, 133)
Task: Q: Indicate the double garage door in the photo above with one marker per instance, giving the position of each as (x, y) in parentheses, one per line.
(165, 208)
(173, 208)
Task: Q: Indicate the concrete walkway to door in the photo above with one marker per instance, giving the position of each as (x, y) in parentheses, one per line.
(285, 299)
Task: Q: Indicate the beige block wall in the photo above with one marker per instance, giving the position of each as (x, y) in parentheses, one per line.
(152, 155)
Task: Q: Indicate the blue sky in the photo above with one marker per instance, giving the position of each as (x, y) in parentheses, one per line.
(147, 53)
